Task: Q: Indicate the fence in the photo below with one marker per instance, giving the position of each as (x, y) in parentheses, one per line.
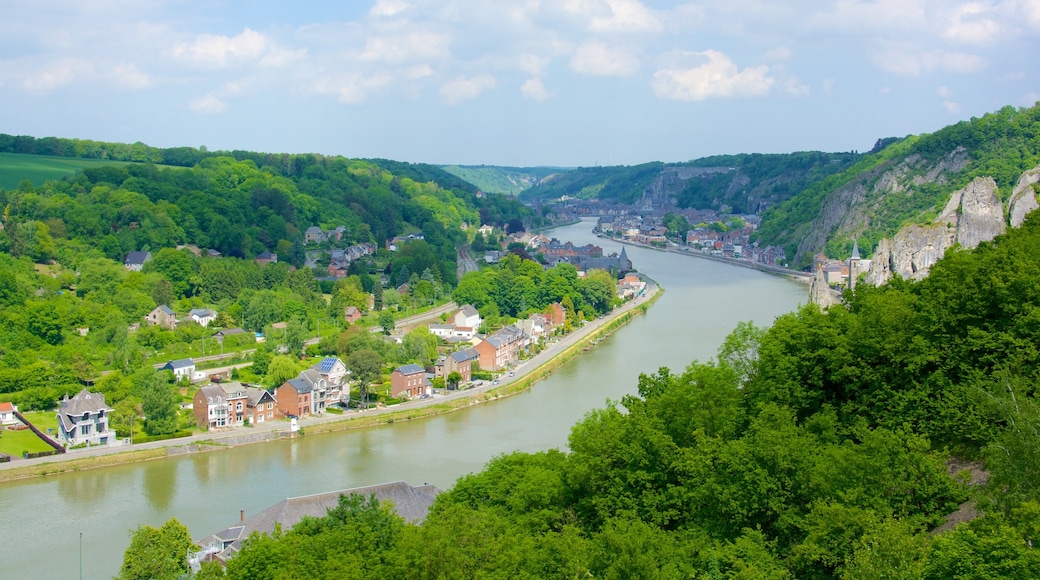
(58, 448)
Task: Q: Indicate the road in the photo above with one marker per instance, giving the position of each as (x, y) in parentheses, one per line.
(525, 368)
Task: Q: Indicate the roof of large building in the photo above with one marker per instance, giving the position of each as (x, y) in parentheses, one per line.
(301, 385)
(465, 354)
(410, 502)
(181, 363)
(136, 258)
(83, 402)
(326, 365)
(411, 369)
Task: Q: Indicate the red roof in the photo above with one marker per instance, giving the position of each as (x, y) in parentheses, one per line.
(6, 407)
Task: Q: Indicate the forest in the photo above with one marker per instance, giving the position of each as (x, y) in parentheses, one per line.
(834, 444)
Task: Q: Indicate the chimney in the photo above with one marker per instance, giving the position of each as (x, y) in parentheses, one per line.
(241, 515)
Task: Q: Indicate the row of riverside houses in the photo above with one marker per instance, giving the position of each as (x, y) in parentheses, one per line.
(233, 404)
(495, 352)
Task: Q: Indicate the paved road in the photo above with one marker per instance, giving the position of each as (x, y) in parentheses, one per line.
(555, 348)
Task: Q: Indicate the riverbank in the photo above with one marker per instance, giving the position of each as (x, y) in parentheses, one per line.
(797, 275)
(529, 372)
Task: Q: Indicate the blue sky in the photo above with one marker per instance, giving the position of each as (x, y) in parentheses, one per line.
(512, 82)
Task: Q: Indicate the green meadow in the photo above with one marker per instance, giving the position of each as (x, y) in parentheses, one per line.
(16, 168)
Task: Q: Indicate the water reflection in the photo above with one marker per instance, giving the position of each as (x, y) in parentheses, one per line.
(160, 486)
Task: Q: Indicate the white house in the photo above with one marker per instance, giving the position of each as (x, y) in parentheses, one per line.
(85, 419)
(202, 316)
(335, 373)
(182, 368)
(7, 414)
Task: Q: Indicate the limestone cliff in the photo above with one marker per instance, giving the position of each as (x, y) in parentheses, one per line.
(850, 210)
(973, 215)
(1023, 197)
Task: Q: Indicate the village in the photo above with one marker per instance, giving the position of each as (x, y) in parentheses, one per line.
(217, 401)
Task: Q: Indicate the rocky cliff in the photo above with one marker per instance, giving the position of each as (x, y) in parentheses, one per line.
(973, 215)
(853, 208)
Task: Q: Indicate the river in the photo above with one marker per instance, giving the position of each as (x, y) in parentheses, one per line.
(41, 520)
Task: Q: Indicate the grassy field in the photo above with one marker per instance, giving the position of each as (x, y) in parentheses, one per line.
(44, 420)
(15, 168)
(15, 442)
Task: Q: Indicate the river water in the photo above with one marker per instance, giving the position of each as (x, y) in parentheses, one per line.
(41, 520)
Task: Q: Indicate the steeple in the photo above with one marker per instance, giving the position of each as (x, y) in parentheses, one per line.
(855, 250)
(854, 265)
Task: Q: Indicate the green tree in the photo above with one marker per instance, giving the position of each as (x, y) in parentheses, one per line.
(157, 554)
(365, 366)
(159, 404)
(386, 321)
(454, 378)
(281, 369)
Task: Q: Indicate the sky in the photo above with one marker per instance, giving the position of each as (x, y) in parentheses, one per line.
(511, 82)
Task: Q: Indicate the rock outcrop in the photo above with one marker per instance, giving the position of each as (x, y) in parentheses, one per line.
(1023, 197)
(972, 216)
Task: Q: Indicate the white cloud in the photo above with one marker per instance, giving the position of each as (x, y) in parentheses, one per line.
(388, 8)
(944, 91)
(411, 47)
(952, 107)
(908, 63)
(627, 16)
(56, 74)
(534, 89)
(463, 89)
(128, 75)
(532, 64)
(971, 25)
(597, 59)
(719, 77)
(213, 51)
(207, 105)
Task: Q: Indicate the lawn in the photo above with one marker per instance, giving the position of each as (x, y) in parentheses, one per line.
(15, 442)
(44, 420)
(16, 168)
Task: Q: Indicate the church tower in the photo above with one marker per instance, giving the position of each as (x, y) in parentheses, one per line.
(854, 265)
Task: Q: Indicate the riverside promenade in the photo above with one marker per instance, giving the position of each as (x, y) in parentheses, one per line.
(530, 369)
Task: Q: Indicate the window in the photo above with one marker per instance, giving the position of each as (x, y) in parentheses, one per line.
(84, 429)
(238, 406)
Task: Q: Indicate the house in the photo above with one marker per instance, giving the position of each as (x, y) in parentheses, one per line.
(84, 419)
(163, 316)
(557, 315)
(294, 398)
(319, 389)
(442, 330)
(236, 397)
(461, 361)
(534, 327)
(410, 502)
(209, 405)
(313, 235)
(182, 368)
(134, 261)
(266, 258)
(485, 230)
(260, 405)
(7, 411)
(335, 373)
(351, 314)
(500, 349)
(222, 334)
(409, 381)
(202, 316)
(466, 317)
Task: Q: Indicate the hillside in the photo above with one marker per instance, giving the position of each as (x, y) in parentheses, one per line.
(503, 180)
(747, 183)
(907, 182)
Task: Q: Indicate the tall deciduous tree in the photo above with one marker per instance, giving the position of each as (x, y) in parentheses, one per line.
(159, 405)
(365, 366)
